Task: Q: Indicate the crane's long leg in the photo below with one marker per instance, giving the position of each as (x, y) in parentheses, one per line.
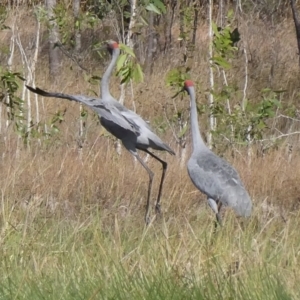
(219, 219)
(215, 205)
(151, 175)
(164, 165)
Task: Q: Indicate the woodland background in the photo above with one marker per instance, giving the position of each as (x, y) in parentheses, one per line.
(72, 200)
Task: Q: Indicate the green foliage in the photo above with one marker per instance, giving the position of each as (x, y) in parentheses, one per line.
(156, 6)
(101, 8)
(64, 20)
(187, 13)
(3, 16)
(250, 122)
(16, 114)
(261, 112)
(224, 43)
(177, 76)
(127, 66)
(9, 84)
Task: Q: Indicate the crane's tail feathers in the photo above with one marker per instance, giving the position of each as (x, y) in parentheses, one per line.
(89, 101)
(37, 91)
(171, 151)
(49, 94)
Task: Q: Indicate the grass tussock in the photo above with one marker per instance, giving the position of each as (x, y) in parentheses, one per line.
(72, 228)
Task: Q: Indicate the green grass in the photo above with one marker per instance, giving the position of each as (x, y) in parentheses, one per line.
(53, 257)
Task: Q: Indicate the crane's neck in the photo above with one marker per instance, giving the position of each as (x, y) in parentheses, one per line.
(106, 76)
(198, 142)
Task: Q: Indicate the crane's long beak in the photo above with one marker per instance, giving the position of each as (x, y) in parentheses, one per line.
(180, 91)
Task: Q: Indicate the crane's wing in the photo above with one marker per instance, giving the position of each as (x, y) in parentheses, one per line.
(89, 101)
(112, 118)
(106, 111)
(131, 116)
(217, 179)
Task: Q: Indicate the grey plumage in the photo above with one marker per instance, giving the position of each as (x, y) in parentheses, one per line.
(211, 174)
(123, 123)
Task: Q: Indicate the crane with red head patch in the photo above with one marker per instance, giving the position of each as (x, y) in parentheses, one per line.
(124, 124)
(211, 174)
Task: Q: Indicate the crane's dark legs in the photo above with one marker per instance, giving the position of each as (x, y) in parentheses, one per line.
(218, 216)
(147, 216)
(164, 165)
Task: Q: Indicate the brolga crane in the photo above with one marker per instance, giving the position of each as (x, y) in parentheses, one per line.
(211, 174)
(134, 133)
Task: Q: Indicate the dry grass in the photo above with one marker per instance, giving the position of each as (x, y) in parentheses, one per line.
(72, 222)
(65, 180)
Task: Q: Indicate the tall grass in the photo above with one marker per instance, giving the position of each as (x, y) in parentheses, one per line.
(74, 229)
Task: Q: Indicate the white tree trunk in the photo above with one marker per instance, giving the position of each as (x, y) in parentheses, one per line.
(9, 65)
(76, 10)
(54, 52)
(244, 101)
(129, 38)
(129, 42)
(212, 119)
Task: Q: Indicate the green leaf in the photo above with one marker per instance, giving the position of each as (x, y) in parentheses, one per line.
(160, 5)
(126, 49)
(183, 131)
(144, 21)
(121, 61)
(220, 61)
(153, 8)
(140, 71)
(215, 29)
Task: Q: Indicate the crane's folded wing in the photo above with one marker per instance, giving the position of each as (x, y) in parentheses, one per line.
(136, 119)
(110, 113)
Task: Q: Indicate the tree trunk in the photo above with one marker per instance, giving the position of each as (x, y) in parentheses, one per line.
(54, 52)
(151, 47)
(130, 34)
(196, 15)
(76, 10)
(181, 22)
(297, 24)
(212, 119)
(169, 24)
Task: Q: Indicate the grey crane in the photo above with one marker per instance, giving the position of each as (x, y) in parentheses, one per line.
(134, 133)
(211, 174)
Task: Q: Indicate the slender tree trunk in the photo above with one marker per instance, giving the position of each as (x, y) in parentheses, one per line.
(149, 58)
(244, 103)
(212, 119)
(297, 24)
(169, 24)
(196, 15)
(9, 65)
(54, 52)
(129, 38)
(129, 42)
(76, 11)
(77, 30)
(181, 22)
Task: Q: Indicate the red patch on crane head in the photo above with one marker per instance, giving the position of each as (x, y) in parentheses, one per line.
(188, 83)
(112, 45)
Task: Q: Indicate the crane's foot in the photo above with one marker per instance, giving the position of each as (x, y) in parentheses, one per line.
(157, 208)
